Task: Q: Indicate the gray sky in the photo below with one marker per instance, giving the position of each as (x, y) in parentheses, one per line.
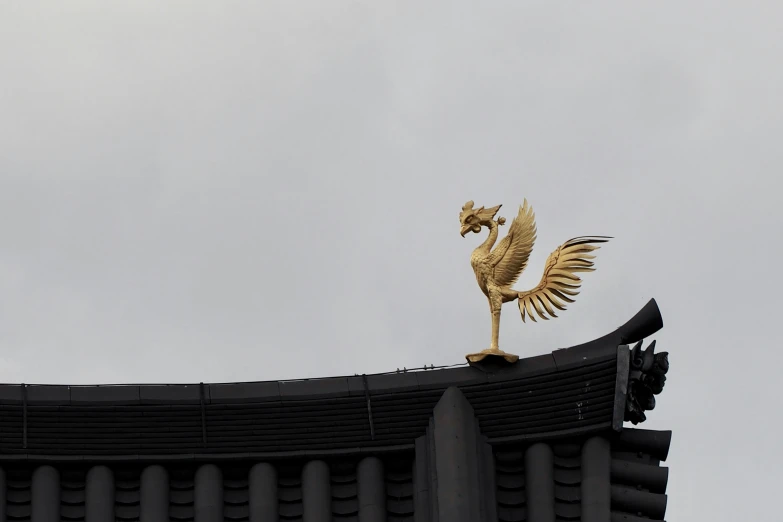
(248, 191)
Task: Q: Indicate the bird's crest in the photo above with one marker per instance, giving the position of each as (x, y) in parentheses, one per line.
(483, 214)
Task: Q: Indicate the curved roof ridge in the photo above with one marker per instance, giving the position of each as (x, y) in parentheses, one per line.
(644, 323)
(197, 383)
(532, 399)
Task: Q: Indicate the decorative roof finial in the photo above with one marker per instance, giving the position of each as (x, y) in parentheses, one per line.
(498, 269)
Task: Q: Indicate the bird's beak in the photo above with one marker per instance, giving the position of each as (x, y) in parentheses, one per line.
(464, 230)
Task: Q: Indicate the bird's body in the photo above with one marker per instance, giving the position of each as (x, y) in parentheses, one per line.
(498, 269)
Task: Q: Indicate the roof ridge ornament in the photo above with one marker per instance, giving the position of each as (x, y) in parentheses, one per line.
(498, 269)
(646, 379)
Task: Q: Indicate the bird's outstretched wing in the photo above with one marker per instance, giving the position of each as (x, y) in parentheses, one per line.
(560, 280)
(510, 257)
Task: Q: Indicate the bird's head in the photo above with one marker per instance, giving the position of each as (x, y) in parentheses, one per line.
(472, 219)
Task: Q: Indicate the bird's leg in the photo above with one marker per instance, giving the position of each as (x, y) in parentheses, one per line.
(496, 296)
(495, 330)
(495, 303)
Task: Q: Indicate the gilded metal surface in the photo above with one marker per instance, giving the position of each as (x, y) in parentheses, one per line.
(498, 269)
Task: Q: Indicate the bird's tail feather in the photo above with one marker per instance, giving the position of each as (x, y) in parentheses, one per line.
(560, 282)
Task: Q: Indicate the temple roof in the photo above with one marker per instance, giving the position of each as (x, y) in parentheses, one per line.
(577, 390)
(540, 439)
(536, 398)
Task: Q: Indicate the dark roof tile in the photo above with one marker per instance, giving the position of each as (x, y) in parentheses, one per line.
(105, 394)
(336, 386)
(10, 393)
(356, 385)
(170, 393)
(572, 357)
(449, 377)
(244, 392)
(48, 394)
(393, 382)
(653, 443)
(527, 367)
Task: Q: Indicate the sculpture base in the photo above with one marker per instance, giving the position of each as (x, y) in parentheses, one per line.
(496, 355)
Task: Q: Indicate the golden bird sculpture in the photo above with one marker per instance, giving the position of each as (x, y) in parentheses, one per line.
(498, 269)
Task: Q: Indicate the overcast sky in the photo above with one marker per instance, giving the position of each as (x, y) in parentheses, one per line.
(269, 190)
